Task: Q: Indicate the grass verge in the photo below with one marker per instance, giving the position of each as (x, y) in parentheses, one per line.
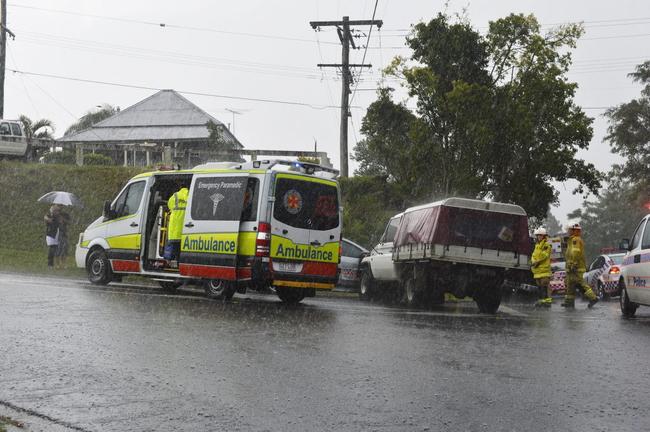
(8, 421)
(35, 262)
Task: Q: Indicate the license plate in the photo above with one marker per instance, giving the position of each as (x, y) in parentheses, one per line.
(287, 267)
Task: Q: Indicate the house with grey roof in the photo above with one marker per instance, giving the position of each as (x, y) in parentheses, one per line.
(163, 128)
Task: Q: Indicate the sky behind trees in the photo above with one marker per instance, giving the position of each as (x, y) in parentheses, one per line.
(267, 50)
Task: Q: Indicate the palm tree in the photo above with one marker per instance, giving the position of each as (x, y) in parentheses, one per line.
(41, 129)
(91, 117)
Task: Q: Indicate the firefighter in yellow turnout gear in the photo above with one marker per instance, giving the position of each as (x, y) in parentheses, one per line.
(575, 268)
(176, 204)
(541, 267)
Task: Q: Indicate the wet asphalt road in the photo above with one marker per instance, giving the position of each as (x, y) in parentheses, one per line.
(122, 358)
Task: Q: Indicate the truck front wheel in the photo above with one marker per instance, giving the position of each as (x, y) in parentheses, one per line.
(366, 286)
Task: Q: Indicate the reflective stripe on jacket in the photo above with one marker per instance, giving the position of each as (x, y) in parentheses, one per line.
(541, 260)
(575, 255)
(177, 204)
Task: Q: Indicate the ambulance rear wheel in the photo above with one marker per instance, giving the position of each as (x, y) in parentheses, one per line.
(99, 268)
(290, 295)
(219, 289)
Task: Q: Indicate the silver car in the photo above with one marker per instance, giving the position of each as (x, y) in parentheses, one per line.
(351, 255)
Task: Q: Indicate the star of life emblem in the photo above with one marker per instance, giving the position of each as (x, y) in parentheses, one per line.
(216, 199)
(292, 201)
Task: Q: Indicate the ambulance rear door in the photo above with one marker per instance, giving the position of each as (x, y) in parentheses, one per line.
(305, 230)
(209, 242)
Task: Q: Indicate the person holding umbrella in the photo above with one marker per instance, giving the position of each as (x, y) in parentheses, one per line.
(52, 233)
(56, 222)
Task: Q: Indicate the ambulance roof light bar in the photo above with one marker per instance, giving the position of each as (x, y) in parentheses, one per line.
(287, 165)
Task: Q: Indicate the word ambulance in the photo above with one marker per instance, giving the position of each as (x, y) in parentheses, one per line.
(251, 225)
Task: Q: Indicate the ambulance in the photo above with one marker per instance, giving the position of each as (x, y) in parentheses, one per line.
(262, 225)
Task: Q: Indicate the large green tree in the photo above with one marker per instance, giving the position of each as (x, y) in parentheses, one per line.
(494, 115)
(629, 130)
(614, 214)
(611, 217)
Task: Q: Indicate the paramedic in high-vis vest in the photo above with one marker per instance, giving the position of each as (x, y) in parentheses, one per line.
(176, 205)
(541, 267)
(575, 268)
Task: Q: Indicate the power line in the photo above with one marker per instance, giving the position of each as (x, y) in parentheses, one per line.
(243, 98)
(365, 51)
(166, 25)
(175, 58)
(616, 37)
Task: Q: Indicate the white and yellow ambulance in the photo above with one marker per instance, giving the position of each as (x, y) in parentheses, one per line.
(251, 225)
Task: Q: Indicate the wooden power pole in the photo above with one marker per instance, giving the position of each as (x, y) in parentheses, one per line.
(4, 31)
(343, 28)
(3, 54)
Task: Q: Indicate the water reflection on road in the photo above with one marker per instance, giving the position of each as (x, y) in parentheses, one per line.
(131, 358)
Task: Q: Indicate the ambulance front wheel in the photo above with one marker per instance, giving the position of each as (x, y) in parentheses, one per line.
(290, 295)
(99, 268)
(219, 289)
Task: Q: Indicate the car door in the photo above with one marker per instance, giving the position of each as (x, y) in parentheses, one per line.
(381, 257)
(349, 265)
(643, 285)
(124, 228)
(595, 270)
(634, 268)
(210, 237)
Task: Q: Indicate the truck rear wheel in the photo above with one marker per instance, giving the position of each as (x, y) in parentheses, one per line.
(219, 289)
(412, 293)
(488, 300)
(290, 295)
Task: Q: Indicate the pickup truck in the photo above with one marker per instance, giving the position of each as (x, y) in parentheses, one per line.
(460, 246)
(13, 142)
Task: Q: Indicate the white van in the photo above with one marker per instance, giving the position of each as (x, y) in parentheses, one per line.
(255, 225)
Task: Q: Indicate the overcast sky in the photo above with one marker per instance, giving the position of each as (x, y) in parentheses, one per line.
(267, 50)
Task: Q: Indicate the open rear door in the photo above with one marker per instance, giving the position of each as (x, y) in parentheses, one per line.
(211, 226)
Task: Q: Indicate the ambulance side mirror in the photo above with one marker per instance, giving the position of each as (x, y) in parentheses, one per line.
(108, 213)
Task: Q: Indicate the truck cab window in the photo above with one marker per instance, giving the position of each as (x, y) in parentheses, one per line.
(5, 129)
(391, 230)
(15, 129)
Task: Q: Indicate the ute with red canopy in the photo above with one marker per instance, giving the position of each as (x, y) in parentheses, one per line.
(462, 246)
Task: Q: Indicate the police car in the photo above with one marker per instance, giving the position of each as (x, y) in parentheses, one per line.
(634, 280)
(251, 225)
(604, 273)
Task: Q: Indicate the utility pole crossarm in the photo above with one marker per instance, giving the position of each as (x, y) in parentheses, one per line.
(341, 65)
(316, 24)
